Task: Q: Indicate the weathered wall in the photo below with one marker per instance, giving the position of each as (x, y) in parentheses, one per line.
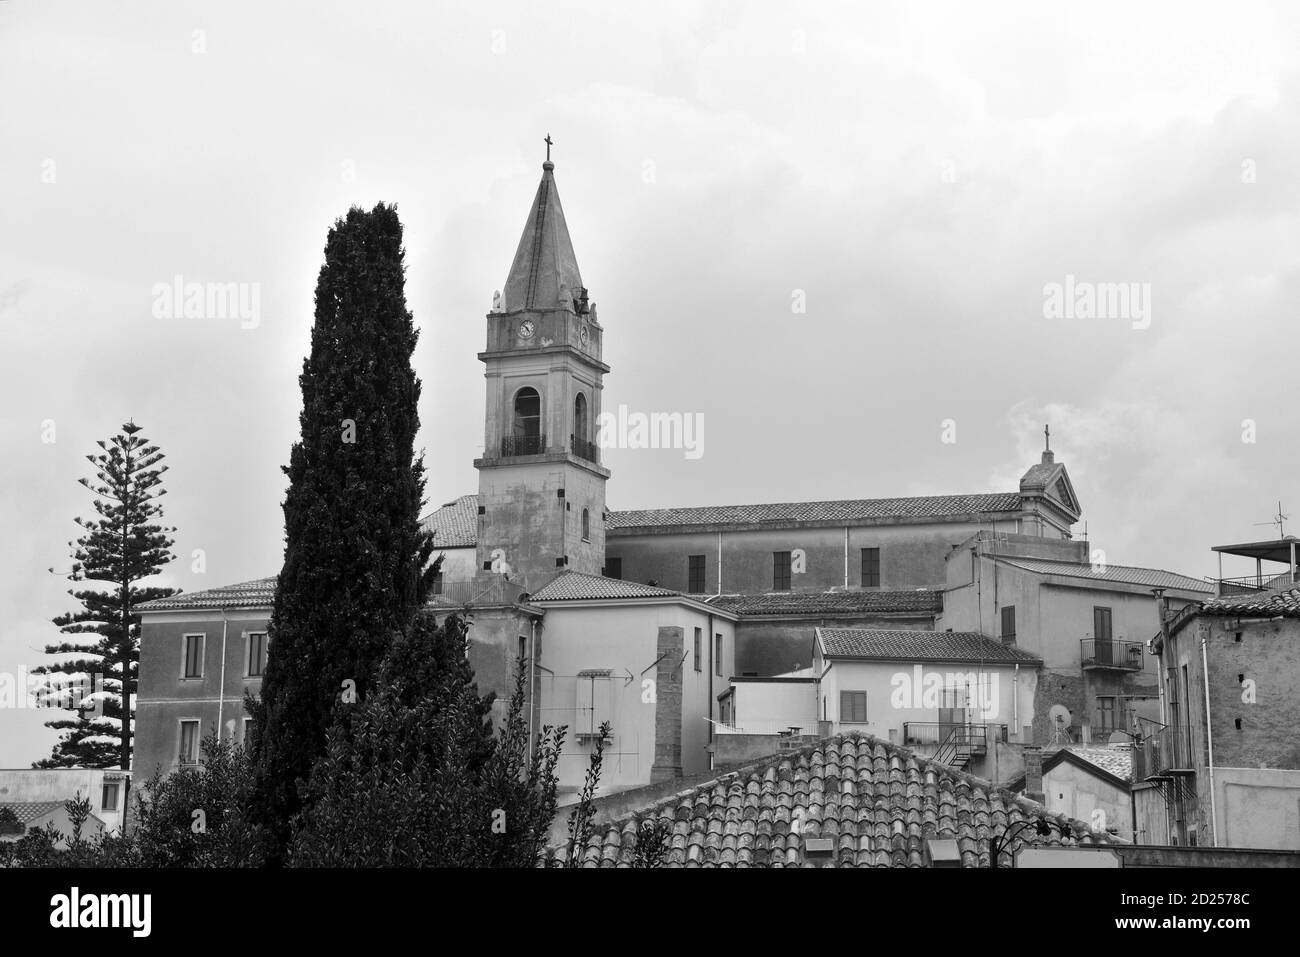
(766, 646)
(1257, 807)
(767, 707)
(1072, 791)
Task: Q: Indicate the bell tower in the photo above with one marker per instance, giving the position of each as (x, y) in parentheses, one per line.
(541, 497)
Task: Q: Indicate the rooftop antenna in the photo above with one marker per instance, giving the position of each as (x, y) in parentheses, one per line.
(1278, 519)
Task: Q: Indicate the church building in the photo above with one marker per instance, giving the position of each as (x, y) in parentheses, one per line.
(638, 618)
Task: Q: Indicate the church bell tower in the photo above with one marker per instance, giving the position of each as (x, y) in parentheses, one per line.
(541, 497)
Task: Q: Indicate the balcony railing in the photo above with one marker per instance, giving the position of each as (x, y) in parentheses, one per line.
(1164, 752)
(522, 445)
(584, 449)
(1120, 655)
(491, 592)
(1246, 584)
(933, 732)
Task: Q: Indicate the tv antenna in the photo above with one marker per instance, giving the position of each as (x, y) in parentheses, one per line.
(1277, 520)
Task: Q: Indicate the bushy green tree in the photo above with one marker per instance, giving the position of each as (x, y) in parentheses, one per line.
(355, 562)
(122, 545)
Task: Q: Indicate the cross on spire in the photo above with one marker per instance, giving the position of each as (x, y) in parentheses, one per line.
(548, 141)
(1047, 438)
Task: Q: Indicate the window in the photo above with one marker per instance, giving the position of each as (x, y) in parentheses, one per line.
(437, 583)
(870, 568)
(717, 655)
(1009, 625)
(780, 571)
(853, 707)
(248, 731)
(614, 568)
(1106, 715)
(586, 525)
(1101, 624)
(525, 436)
(580, 419)
(193, 656)
(189, 751)
(594, 704)
(695, 574)
(256, 653)
(699, 641)
(108, 798)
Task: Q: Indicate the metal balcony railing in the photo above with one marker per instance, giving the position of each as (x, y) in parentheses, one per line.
(932, 732)
(523, 445)
(493, 592)
(584, 449)
(1246, 584)
(1163, 753)
(1103, 653)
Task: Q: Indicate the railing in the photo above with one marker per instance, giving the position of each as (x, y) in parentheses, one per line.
(1163, 752)
(1246, 584)
(778, 726)
(584, 449)
(522, 445)
(933, 732)
(1101, 653)
(492, 592)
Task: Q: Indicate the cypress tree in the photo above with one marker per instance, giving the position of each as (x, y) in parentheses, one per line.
(121, 545)
(355, 567)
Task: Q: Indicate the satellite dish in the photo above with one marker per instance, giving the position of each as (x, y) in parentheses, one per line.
(1118, 737)
(1059, 715)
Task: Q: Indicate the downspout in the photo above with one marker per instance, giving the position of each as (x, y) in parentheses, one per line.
(1209, 741)
(1015, 700)
(221, 691)
(719, 592)
(846, 556)
(532, 685)
(709, 638)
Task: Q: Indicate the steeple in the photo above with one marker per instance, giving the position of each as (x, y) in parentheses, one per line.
(544, 274)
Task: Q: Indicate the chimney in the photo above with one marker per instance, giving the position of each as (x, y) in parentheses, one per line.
(1034, 773)
(1162, 616)
(668, 706)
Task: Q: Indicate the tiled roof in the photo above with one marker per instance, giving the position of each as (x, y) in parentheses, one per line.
(1125, 574)
(918, 645)
(455, 525)
(830, 603)
(1280, 601)
(576, 586)
(876, 801)
(1116, 760)
(847, 510)
(258, 593)
(29, 811)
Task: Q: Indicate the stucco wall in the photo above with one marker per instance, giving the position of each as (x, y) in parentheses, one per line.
(1072, 791)
(912, 555)
(766, 646)
(768, 707)
(26, 785)
(1258, 807)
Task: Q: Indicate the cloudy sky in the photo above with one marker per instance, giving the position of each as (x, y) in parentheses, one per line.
(916, 174)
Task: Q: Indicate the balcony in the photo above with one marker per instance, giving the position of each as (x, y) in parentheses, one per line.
(1246, 584)
(584, 449)
(512, 445)
(1114, 655)
(495, 591)
(1163, 754)
(921, 733)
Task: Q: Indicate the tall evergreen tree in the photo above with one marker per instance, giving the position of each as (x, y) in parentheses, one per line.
(121, 546)
(355, 560)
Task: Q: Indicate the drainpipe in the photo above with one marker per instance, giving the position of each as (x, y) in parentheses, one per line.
(1015, 701)
(846, 556)
(709, 638)
(221, 692)
(719, 592)
(1209, 741)
(532, 685)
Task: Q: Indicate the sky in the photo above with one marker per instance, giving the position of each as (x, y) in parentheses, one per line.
(829, 230)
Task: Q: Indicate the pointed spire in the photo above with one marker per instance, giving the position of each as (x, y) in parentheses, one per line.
(544, 274)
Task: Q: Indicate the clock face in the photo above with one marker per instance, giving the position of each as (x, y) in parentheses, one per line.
(526, 329)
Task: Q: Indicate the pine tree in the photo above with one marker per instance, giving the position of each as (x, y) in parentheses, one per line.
(121, 546)
(355, 558)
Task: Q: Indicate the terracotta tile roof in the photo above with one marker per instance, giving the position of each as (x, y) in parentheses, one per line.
(1116, 760)
(850, 510)
(454, 525)
(876, 801)
(830, 603)
(918, 646)
(576, 586)
(1126, 574)
(29, 811)
(1283, 602)
(258, 593)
